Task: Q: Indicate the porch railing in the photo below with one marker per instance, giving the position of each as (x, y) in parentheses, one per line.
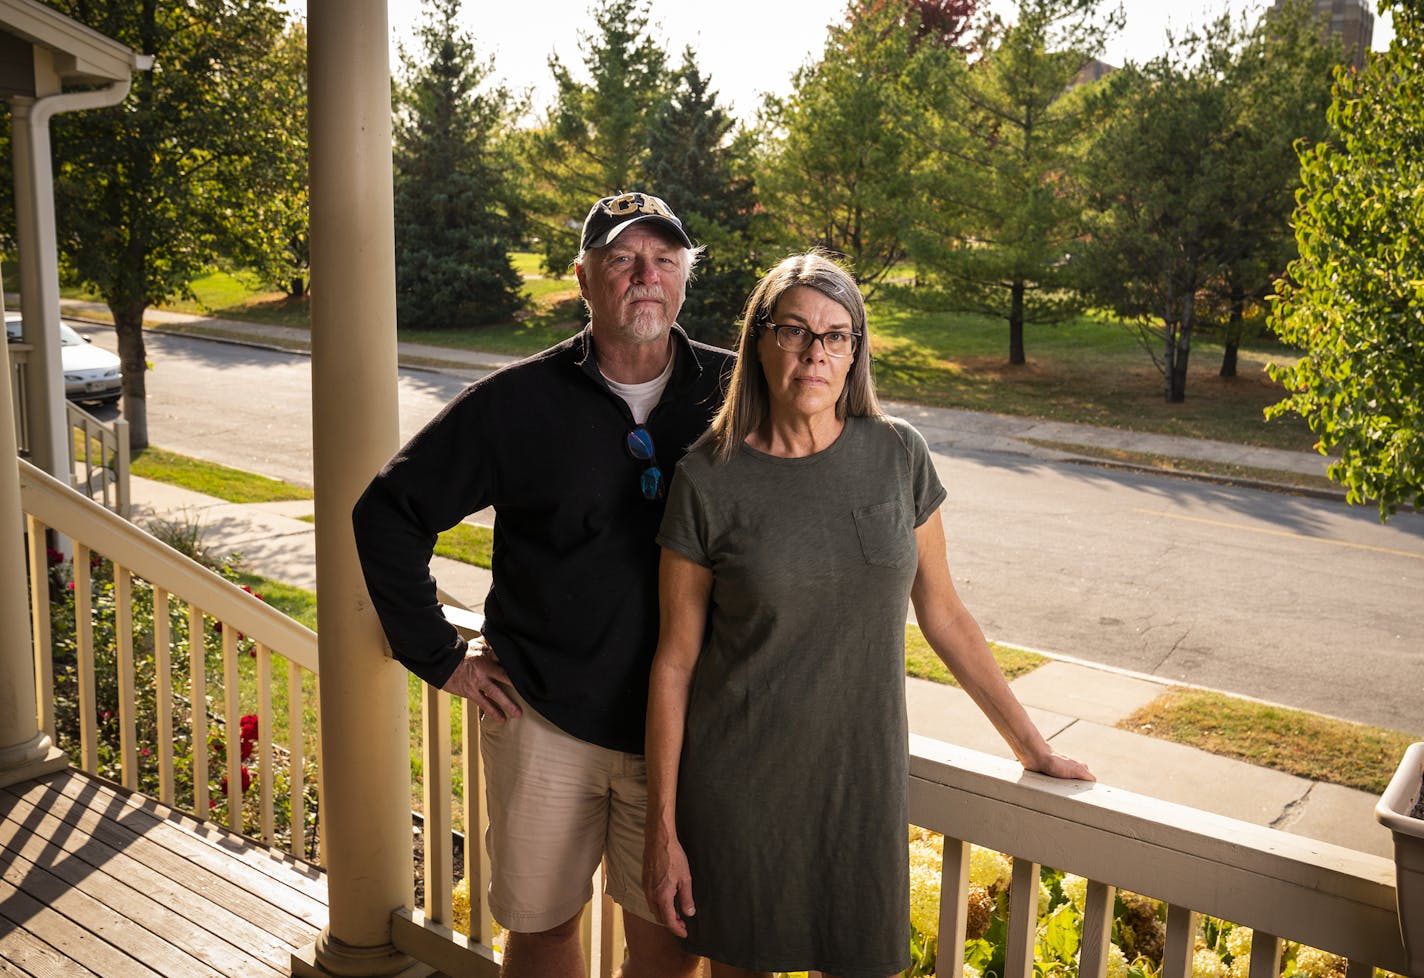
(185, 603)
(19, 393)
(99, 463)
(99, 459)
(1285, 887)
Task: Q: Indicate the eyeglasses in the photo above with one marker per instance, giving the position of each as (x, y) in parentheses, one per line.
(640, 446)
(798, 339)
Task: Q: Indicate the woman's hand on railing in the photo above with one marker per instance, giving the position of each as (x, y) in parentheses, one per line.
(478, 678)
(667, 881)
(1057, 765)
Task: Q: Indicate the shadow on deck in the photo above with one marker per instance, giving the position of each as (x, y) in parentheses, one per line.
(99, 880)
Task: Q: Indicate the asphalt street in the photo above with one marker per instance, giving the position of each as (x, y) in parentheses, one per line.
(1295, 600)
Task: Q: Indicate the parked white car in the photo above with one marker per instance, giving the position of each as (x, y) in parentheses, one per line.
(91, 373)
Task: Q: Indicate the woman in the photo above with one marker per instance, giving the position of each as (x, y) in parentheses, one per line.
(796, 530)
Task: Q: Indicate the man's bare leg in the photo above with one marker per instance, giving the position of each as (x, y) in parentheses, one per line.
(653, 952)
(553, 953)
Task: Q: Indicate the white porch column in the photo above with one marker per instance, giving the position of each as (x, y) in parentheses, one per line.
(25, 751)
(366, 772)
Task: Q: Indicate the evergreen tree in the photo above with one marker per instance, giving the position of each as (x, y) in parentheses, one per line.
(594, 140)
(699, 168)
(1004, 138)
(456, 214)
(838, 158)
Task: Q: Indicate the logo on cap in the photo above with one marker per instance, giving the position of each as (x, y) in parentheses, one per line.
(611, 215)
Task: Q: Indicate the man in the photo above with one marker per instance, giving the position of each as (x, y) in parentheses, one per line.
(573, 447)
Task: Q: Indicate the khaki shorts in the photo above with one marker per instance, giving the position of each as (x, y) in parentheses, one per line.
(557, 806)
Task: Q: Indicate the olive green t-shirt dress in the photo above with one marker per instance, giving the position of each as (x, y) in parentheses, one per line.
(792, 785)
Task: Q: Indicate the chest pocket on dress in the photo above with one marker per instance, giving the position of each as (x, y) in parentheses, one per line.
(886, 536)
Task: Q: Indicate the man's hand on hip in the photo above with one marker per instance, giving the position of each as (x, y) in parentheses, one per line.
(477, 678)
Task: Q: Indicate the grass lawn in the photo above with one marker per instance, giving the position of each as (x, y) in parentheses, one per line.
(922, 663)
(1305, 744)
(233, 485)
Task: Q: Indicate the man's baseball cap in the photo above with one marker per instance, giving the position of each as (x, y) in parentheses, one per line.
(611, 215)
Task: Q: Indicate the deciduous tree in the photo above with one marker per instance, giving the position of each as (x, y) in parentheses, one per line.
(456, 205)
(1281, 79)
(1353, 300)
(1160, 194)
(279, 246)
(150, 192)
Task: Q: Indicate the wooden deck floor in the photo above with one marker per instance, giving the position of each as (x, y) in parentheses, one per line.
(99, 881)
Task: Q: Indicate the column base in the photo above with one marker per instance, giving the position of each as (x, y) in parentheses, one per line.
(328, 956)
(33, 759)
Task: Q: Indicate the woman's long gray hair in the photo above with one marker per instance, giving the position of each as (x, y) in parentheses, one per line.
(748, 402)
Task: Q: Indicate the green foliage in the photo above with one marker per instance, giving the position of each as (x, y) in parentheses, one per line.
(698, 167)
(1222, 949)
(151, 191)
(1192, 181)
(278, 246)
(1354, 299)
(456, 206)
(837, 163)
(1005, 155)
(594, 140)
(1160, 198)
(1281, 83)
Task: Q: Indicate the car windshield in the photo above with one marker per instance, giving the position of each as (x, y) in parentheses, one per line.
(67, 335)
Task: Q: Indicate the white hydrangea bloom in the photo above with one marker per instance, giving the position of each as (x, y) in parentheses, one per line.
(1117, 962)
(1206, 963)
(924, 888)
(1075, 888)
(1313, 963)
(1238, 941)
(970, 971)
(1045, 898)
(989, 869)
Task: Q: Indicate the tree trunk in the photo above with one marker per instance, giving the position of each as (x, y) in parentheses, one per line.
(1179, 348)
(1233, 332)
(1016, 324)
(128, 324)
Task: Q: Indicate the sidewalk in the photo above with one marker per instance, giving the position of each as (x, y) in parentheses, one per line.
(1075, 704)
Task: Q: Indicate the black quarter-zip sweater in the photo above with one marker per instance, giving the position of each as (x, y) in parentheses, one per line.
(573, 612)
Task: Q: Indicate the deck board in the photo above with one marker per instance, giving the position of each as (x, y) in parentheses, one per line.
(95, 880)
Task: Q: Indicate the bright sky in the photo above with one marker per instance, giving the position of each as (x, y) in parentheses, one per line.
(748, 47)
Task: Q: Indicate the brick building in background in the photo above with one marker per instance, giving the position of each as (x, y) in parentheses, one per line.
(1349, 20)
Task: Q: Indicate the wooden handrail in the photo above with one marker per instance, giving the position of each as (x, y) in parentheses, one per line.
(56, 505)
(1322, 895)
